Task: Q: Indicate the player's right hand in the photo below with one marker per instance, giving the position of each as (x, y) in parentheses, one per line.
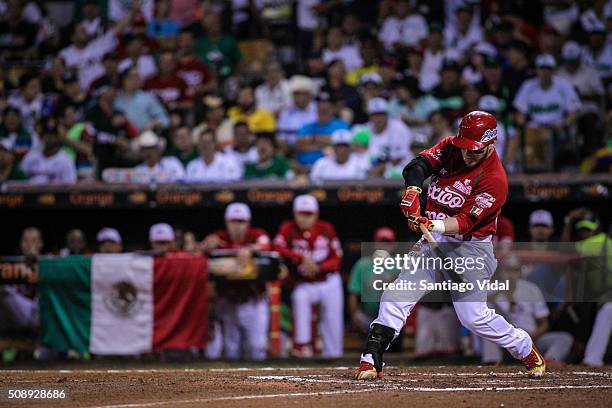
(410, 204)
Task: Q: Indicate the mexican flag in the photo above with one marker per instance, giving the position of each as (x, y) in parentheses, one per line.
(116, 304)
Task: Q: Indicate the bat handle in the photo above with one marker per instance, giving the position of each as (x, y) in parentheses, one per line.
(428, 235)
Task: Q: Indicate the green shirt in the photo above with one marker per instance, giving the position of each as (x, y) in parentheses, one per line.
(361, 283)
(15, 175)
(224, 49)
(277, 167)
(183, 158)
(593, 247)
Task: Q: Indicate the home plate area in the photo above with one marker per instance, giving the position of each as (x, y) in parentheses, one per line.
(505, 386)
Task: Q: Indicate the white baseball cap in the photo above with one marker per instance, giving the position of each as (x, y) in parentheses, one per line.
(571, 51)
(7, 144)
(368, 77)
(545, 61)
(237, 211)
(377, 105)
(305, 203)
(302, 83)
(488, 103)
(148, 138)
(161, 232)
(541, 217)
(108, 234)
(341, 136)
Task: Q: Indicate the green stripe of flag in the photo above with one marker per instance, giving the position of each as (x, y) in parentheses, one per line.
(65, 302)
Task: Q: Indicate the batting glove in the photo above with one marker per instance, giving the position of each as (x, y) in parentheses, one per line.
(410, 204)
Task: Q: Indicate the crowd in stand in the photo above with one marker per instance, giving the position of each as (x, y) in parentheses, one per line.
(218, 91)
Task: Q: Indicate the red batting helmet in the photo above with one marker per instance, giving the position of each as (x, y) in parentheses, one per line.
(477, 130)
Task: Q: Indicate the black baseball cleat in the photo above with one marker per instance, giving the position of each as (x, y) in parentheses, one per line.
(376, 344)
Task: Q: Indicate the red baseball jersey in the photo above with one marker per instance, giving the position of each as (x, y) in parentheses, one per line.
(171, 89)
(253, 236)
(320, 243)
(473, 195)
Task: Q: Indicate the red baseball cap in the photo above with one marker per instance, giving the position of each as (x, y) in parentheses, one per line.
(384, 234)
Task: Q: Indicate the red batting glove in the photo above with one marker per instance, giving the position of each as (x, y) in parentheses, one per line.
(410, 204)
(414, 223)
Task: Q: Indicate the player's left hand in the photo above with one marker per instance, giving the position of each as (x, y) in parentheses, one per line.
(414, 223)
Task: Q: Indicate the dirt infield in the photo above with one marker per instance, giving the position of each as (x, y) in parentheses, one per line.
(445, 386)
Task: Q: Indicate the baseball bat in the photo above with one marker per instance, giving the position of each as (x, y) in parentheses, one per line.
(455, 277)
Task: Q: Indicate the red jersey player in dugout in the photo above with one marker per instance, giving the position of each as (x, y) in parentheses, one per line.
(468, 189)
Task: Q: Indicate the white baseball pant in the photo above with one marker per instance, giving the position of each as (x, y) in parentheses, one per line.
(329, 295)
(553, 345)
(600, 336)
(245, 327)
(471, 307)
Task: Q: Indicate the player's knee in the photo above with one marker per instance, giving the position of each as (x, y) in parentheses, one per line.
(474, 317)
(299, 297)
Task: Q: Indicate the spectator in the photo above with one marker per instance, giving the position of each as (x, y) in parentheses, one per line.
(49, 164)
(162, 25)
(92, 20)
(440, 126)
(463, 35)
(212, 166)
(53, 76)
(213, 115)
(346, 95)
(72, 94)
(18, 35)
(370, 86)
(433, 56)
(242, 306)
(141, 108)
(194, 72)
(218, 50)
(524, 306)
(137, 57)
(13, 132)
(269, 164)
(243, 150)
(9, 171)
(170, 88)
(161, 238)
(388, 134)
(274, 94)
(155, 168)
(85, 55)
(110, 62)
(316, 271)
(368, 51)
(312, 138)
(259, 120)
(547, 100)
(303, 111)
(598, 53)
(449, 91)
(337, 49)
(183, 147)
(363, 309)
(492, 84)
(411, 105)
(394, 167)
(78, 140)
(315, 67)
(404, 28)
(109, 241)
(519, 70)
(343, 165)
(112, 130)
(548, 106)
(28, 99)
(76, 243)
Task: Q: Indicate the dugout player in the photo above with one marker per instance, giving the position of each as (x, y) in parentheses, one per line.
(242, 307)
(468, 189)
(313, 251)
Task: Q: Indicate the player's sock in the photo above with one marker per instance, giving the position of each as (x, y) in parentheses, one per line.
(367, 358)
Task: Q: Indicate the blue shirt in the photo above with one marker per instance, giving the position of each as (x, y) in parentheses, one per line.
(141, 108)
(163, 28)
(318, 129)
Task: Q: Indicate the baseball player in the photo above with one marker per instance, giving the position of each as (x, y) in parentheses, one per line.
(466, 194)
(312, 249)
(242, 306)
